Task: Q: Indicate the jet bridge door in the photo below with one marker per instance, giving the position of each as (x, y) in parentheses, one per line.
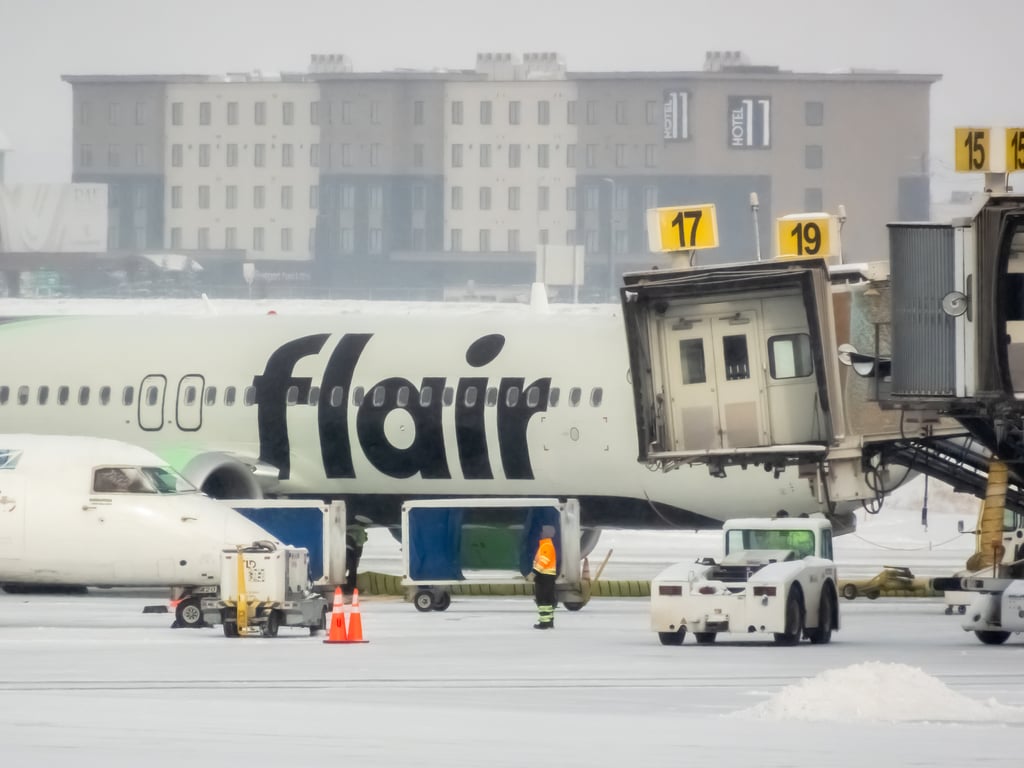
(714, 383)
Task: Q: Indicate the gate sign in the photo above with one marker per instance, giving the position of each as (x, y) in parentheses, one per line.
(676, 108)
(1014, 149)
(750, 122)
(683, 228)
(807, 235)
(972, 150)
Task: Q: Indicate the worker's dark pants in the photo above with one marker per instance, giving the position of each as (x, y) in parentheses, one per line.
(544, 594)
(352, 555)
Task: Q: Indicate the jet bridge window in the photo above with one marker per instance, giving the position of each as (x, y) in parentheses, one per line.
(691, 356)
(789, 356)
(737, 361)
(63, 394)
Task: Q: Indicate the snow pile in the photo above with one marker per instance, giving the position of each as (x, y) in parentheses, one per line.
(875, 691)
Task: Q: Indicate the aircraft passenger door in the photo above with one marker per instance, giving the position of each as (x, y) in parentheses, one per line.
(189, 412)
(151, 402)
(714, 383)
(12, 517)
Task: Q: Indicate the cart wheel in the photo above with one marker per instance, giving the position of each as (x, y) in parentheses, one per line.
(962, 609)
(849, 591)
(424, 600)
(873, 595)
(444, 599)
(188, 614)
(672, 638)
(230, 629)
(273, 622)
(573, 606)
(704, 638)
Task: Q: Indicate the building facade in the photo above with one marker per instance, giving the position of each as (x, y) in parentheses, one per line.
(410, 182)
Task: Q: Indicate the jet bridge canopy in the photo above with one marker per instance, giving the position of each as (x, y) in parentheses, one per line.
(733, 364)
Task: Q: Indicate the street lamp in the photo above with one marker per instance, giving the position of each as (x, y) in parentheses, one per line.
(611, 237)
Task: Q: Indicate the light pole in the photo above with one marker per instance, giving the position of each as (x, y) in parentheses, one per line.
(611, 236)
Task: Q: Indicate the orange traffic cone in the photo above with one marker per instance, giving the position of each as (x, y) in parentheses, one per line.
(355, 625)
(337, 633)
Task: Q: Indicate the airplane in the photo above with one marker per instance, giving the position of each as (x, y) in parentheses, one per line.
(373, 403)
(84, 511)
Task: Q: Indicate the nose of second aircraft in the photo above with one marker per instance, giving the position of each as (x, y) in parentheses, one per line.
(212, 527)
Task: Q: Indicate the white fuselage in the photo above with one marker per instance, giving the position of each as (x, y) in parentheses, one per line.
(55, 529)
(426, 401)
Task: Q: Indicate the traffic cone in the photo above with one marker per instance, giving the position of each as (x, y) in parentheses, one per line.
(355, 624)
(337, 633)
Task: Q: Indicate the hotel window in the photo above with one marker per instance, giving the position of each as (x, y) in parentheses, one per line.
(456, 155)
(591, 155)
(175, 197)
(542, 156)
(570, 198)
(513, 113)
(543, 112)
(513, 240)
(485, 241)
(374, 155)
(140, 113)
(286, 197)
(288, 112)
(485, 155)
(417, 155)
(204, 155)
(592, 196)
(314, 113)
(84, 113)
(286, 238)
(650, 197)
(813, 156)
(314, 155)
(456, 198)
(260, 113)
(204, 113)
(314, 197)
(651, 112)
(485, 198)
(346, 155)
(419, 197)
(231, 196)
(204, 196)
(485, 113)
(374, 112)
(649, 155)
(140, 155)
(570, 155)
(348, 243)
(620, 155)
(232, 116)
(259, 196)
(814, 113)
(514, 155)
(456, 237)
(457, 113)
(592, 113)
(417, 113)
(543, 198)
(203, 238)
(113, 156)
(287, 156)
(176, 156)
(570, 112)
(813, 200)
(513, 198)
(257, 238)
(175, 237)
(620, 113)
(113, 113)
(592, 241)
(230, 237)
(348, 197)
(177, 113)
(259, 155)
(376, 197)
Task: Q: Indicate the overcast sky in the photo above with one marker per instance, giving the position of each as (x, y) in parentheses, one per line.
(971, 44)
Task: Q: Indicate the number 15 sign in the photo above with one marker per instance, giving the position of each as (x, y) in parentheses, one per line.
(683, 228)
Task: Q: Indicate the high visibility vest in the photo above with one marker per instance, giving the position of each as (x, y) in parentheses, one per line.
(544, 561)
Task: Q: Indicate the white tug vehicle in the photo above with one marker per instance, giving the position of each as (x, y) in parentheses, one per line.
(776, 576)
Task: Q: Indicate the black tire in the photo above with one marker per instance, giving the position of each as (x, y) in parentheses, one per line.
(827, 611)
(873, 595)
(849, 591)
(574, 606)
(444, 599)
(704, 638)
(992, 636)
(672, 638)
(272, 624)
(962, 610)
(794, 621)
(230, 629)
(189, 614)
(424, 600)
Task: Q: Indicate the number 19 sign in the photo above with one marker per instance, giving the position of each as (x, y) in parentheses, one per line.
(806, 235)
(683, 228)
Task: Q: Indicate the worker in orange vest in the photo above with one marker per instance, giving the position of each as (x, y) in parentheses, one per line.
(544, 574)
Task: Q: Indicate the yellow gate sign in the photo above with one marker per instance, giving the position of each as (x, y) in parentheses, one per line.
(1014, 149)
(972, 150)
(682, 228)
(806, 235)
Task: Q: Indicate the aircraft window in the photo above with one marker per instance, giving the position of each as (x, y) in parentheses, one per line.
(737, 361)
(378, 397)
(211, 396)
(314, 396)
(229, 395)
(166, 480)
(691, 358)
(402, 398)
(532, 397)
(128, 395)
(83, 395)
(337, 396)
(152, 395)
(22, 395)
(596, 396)
(492, 396)
(357, 396)
(63, 394)
(789, 356)
(190, 395)
(553, 394)
(249, 396)
(292, 395)
(5, 392)
(469, 398)
(449, 396)
(43, 395)
(574, 396)
(426, 396)
(512, 397)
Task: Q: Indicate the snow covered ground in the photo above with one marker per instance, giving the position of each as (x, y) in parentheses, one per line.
(93, 680)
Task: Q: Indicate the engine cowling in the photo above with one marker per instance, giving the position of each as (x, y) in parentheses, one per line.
(223, 476)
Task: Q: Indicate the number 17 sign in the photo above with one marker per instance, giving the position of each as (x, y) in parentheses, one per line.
(682, 228)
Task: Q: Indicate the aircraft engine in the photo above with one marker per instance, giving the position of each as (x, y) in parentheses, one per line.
(223, 476)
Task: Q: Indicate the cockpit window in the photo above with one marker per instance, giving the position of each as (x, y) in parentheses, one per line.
(140, 480)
